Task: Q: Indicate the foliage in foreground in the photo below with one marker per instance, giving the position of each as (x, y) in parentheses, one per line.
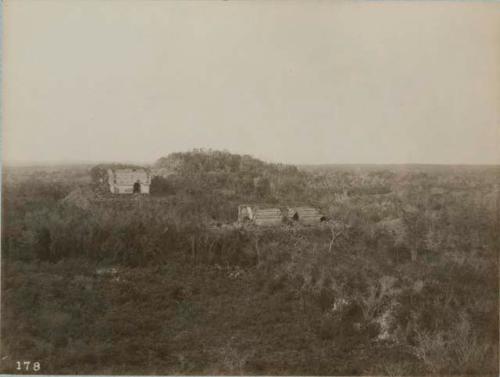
(403, 282)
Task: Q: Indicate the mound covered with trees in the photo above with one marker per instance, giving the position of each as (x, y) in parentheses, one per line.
(231, 175)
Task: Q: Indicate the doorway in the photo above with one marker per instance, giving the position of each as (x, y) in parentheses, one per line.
(137, 188)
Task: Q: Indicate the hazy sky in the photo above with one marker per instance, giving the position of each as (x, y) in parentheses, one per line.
(299, 82)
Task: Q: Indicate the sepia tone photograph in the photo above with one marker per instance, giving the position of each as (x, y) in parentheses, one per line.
(257, 188)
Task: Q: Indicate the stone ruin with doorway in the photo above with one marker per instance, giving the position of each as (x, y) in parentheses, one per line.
(128, 180)
(305, 215)
(262, 215)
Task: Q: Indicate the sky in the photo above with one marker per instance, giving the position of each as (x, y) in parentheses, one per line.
(286, 81)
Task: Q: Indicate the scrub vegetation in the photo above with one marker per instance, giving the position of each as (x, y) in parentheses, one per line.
(401, 280)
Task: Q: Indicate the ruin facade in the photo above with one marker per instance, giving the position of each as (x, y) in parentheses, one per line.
(258, 215)
(129, 180)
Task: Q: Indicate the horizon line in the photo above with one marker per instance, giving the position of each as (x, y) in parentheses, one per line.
(27, 163)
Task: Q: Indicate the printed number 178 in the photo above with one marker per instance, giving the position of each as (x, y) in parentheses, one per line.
(28, 366)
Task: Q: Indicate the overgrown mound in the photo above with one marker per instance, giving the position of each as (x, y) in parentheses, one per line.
(230, 175)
